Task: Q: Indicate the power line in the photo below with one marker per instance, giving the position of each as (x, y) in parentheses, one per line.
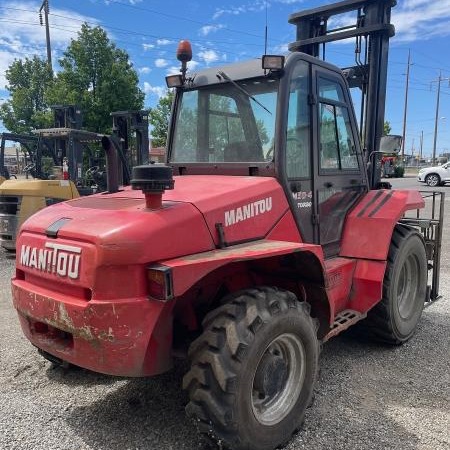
(185, 19)
(75, 30)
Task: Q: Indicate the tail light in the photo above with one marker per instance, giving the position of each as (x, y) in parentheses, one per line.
(159, 281)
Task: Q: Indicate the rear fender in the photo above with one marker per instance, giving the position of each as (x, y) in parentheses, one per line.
(368, 228)
(294, 266)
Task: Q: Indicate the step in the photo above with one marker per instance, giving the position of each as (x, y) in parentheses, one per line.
(344, 320)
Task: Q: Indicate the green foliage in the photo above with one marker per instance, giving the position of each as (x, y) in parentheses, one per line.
(159, 119)
(27, 81)
(98, 77)
(95, 75)
(387, 128)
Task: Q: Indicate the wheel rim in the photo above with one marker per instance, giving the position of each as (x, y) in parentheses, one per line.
(432, 180)
(408, 286)
(278, 379)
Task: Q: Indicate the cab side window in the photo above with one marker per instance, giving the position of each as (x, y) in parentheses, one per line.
(337, 146)
(298, 127)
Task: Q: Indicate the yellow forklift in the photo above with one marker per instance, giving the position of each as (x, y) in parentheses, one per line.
(28, 144)
(75, 166)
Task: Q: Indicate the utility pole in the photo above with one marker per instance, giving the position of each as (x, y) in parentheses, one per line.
(421, 145)
(46, 9)
(436, 118)
(406, 105)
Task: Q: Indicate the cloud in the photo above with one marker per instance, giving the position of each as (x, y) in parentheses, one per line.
(287, 2)
(160, 62)
(21, 35)
(146, 46)
(207, 29)
(420, 19)
(413, 20)
(192, 65)
(164, 42)
(256, 6)
(281, 49)
(131, 2)
(158, 91)
(208, 56)
(144, 70)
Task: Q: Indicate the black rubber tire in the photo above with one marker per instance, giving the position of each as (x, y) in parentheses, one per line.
(433, 180)
(224, 359)
(395, 318)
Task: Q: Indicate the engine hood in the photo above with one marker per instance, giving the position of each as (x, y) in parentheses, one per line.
(120, 226)
(62, 189)
(245, 208)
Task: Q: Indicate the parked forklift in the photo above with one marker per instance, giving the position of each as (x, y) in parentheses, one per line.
(28, 145)
(75, 166)
(250, 247)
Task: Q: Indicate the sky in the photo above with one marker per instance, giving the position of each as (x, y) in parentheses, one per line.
(226, 32)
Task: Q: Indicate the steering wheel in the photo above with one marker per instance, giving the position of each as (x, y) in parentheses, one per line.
(29, 167)
(91, 171)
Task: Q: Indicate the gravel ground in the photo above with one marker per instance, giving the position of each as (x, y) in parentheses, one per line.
(369, 396)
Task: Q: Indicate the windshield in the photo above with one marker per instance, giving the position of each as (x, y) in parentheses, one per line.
(222, 123)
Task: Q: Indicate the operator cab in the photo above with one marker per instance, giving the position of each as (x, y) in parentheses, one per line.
(295, 123)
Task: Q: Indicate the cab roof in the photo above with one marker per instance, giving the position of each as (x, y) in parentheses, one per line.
(242, 71)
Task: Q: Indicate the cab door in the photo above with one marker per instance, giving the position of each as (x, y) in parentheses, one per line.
(297, 140)
(339, 176)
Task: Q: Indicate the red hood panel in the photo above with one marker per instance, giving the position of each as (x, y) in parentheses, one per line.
(128, 233)
(247, 207)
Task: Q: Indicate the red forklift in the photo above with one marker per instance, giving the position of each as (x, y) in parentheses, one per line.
(251, 246)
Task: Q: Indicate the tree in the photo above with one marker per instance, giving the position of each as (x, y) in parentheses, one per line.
(27, 81)
(387, 128)
(98, 77)
(159, 119)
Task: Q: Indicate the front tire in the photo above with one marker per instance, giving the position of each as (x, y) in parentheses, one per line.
(433, 179)
(253, 369)
(395, 318)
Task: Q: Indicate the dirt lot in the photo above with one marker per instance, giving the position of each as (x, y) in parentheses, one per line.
(369, 396)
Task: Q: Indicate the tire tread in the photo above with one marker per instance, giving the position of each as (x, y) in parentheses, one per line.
(378, 321)
(211, 382)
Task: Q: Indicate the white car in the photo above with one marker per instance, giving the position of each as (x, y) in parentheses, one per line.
(435, 176)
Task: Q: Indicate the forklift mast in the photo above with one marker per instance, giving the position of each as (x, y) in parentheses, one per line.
(126, 126)
(372, 30)
(67, 116)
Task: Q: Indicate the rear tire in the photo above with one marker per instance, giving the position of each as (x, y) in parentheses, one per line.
(253, 369)
(433, 179)
(395, 318)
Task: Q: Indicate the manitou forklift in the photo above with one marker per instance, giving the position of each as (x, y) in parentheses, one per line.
(71, 149)
(250, 247)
